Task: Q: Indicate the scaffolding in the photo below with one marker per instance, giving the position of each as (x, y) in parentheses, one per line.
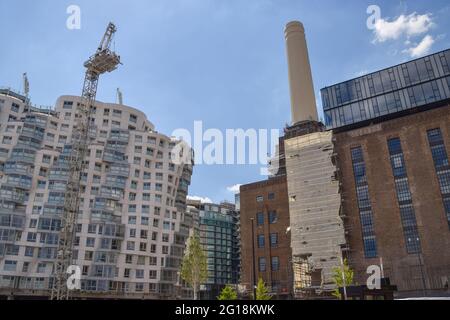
(317, 229)
(104, 60)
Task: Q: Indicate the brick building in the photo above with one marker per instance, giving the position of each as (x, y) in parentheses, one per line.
(267, 203)
(391, 139)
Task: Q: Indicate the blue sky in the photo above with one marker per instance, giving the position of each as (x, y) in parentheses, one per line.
(222, 62)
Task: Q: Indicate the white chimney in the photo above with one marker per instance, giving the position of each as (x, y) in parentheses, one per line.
(303, 101)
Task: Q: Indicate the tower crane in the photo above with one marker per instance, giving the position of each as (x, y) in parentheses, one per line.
(104, 60)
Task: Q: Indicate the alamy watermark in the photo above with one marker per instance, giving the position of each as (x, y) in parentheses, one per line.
(375, 15)
(73, 21)
(229, 147)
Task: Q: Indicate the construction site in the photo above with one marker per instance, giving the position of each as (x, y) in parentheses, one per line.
(90, 204)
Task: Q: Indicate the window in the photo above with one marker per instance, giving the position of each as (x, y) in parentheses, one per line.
(363, 197)
(29, 251)
(88, 255)
(33, 223)
(442, 168)
(262, 264)
(274, 240)
(46, 158)
(132, 219)
(271, 196)
(41, 184)
(260, 218)
(31, 236)
(10, 265)
(407, 214)
(92, 228)
(130, 245)
(15, 107)
(273, 217)
(260, 241)
(152, 274)
(259, 199)
(90, 242)
(7, 140)
(139, 273)
(275, 264)
(25, 266)
(85, 270)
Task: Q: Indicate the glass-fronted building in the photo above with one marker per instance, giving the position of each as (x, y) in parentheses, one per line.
(415, 84)
(218, 226)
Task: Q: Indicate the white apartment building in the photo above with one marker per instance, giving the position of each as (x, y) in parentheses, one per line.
(131, 228)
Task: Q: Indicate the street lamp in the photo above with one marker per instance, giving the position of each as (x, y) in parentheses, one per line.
(253, 258)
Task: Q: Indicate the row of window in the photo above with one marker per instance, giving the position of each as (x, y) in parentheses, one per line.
(270, 196)
(442, 167)
(273, 240)
(365, 209)
(272, 216)
(388, 103)
(404, 197)
(388, 80)
(407, 214)
(275, 264)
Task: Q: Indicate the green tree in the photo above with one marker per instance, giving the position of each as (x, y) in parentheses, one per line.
(193, 266)
(338, 277)
(262, 293)
(227, 293)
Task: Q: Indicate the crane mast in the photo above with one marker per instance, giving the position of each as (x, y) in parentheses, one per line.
(104, 60)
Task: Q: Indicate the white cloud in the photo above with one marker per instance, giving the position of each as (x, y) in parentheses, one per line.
(235, 188)
(410, 25)
(422, 48)
(202, 199)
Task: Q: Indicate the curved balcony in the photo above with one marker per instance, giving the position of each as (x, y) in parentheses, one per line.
(23, 154)
(105, 215)
(119, 170)
(122, 135)
(110, 155)
(19, 181)
(57, 185)
(33, 131)
(28, 142)
(50, 209)
(58, 175)
(116, 182)
(13, 167)
(12, 220)
(47, 254)
(8, 193)
(9, 236)
(36, 120)
(112, 193)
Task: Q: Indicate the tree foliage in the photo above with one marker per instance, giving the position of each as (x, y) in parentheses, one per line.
(227, 293)
(338, 278)
(194, 264)
(262, 293)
